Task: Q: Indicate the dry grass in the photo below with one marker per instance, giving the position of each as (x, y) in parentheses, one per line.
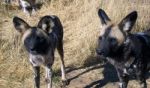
(81, 29)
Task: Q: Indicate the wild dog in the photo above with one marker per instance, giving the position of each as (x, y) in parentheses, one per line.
(40, 42)
(8, 1)
(29, 6)
(128, 52)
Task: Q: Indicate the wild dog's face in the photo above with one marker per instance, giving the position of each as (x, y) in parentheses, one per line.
(112, 36)
(35, 39)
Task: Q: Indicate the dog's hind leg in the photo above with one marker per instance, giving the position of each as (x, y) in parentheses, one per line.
(36, 76)
(61, 53)
(48, 76)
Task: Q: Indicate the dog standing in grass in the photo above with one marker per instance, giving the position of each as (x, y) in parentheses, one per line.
(128, 52)
(40, 42)
(29, 6)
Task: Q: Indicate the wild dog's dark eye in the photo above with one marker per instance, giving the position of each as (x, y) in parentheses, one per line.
(27, 39)
(100, 37)
(42, 39)
(113, 40)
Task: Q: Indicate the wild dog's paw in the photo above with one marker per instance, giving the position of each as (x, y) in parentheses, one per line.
(47, 80)
(65, 83)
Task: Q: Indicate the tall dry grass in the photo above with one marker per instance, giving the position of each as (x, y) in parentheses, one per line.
(81, 28)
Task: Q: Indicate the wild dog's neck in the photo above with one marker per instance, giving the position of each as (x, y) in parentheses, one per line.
(122, 53)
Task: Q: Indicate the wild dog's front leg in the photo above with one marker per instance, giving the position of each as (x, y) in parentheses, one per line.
(142, 80)
(123, 78)
(49, 76)
(64, 80)
(36, 77)
(140, 73)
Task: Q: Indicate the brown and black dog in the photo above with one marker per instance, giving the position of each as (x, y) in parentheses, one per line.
(40, 41)
(128, 52)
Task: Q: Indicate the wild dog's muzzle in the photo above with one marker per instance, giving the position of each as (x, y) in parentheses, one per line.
(37, 46)
(99, 52)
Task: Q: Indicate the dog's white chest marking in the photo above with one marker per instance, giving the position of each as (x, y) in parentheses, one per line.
(125, 71)
(36, 60)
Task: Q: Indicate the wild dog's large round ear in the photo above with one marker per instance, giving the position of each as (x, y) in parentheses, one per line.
(103, 17)
(20, 25)
(46, 23)
(127, 23)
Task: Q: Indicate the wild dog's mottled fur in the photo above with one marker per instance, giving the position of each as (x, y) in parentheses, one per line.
(29, 6)
(8, 1)
(40, 42)
(128, 53)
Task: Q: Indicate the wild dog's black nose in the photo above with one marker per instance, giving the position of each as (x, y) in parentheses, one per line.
(99, 52)
(32, 49)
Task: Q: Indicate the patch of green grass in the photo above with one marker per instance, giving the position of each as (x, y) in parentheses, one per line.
(56, 78)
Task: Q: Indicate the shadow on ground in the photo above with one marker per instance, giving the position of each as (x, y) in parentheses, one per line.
(110, 75)
(93, 63)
